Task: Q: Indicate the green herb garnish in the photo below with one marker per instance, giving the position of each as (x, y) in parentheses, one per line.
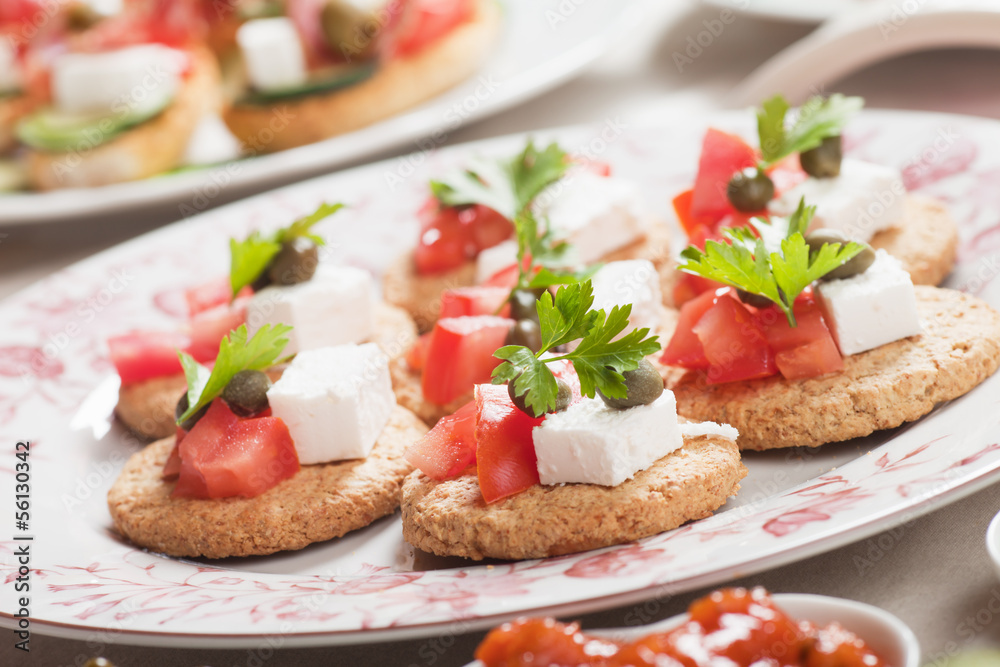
(817, 119)
(506, 186)
(776, 269)
(598, 359)
(236, 354)
(251, 256)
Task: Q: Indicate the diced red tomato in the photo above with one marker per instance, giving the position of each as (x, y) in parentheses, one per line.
(224, 456)
(141, 356)
(211, 294)
(425, 21)
(488, 227)
(684, 348)
(806, 350)
(811, 359)
(211, 326)
(449, 447)
(689, 285)
(416, 356)
(722, 155)
(451, 236)
(734, 344)
(460, 355)
(505, 278)
(505, 450)
(480, 300)
(691, 224)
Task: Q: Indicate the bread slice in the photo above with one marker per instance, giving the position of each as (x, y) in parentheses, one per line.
(320, 502)
(145, 150)
(450, 518)
(420, 294)
(878, 389)
(926, 242)
(397, 85)
(147, 408)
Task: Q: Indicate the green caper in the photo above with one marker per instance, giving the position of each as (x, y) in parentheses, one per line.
(526, 333)
(563, 397)
(817, 239)
(522, 304)
(246, 393)
(344, 28)
(824, 160)
(182, 406)
(750, 190)
(82, 16)
(643, 386)
(852, 267)
(755, 300)
(260, 9)
(295, 263)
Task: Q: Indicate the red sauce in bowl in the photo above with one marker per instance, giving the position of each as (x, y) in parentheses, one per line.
(729, 628)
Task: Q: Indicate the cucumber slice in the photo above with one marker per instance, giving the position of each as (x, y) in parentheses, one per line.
(60, 132)
(327, 82)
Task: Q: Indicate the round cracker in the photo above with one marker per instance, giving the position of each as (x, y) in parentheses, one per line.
(878, 389)
(451, 518)
(147, 408)
(407, 385)
(398, 85)
(420, 295)
(320, 502)
(926, 242)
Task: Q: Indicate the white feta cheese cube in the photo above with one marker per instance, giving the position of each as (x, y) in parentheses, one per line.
(273, 53)
(136, 79)
(633, 281)
(10, 68)
(711, 429)
(872, 308)
(865, 199)
(211, 142)
(596, 214)
(493, 260)
(591, 443)
(335, 401)
(332, 308)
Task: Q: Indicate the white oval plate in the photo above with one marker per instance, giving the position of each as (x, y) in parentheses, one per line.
(57, 387)
(890, 638)
(543, 44)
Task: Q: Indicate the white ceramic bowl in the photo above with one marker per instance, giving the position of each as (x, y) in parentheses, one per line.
(993, 541)
(885, 634)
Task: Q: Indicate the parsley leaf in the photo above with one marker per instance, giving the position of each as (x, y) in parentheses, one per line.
(816, 120)
(250, 257)
(236, 354)
(599, 360)
(507, 187)
(757, 266)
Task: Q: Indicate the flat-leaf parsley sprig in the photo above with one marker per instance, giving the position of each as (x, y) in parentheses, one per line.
(745, 260)
(817, 119)
(236, 353)
(251, 257)
(510, 188)
(599, 359)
